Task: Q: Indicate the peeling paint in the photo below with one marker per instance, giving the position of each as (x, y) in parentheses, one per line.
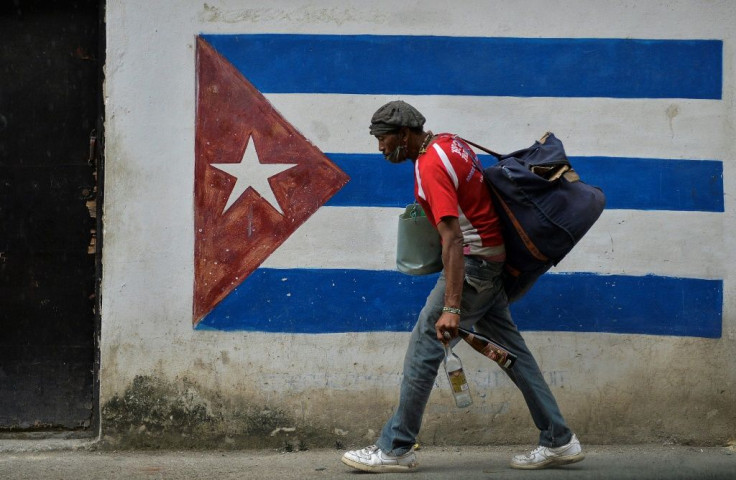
(155, 413)
(672, 112)
(302, 15)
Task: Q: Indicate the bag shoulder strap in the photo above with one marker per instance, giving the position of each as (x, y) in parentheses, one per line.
(495, 154)
(480, 147)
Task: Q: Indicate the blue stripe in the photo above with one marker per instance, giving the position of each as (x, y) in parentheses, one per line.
(629, 183)
(374, 182)
(334, 301)
(655, 184)
(650, 305)
(518, 67)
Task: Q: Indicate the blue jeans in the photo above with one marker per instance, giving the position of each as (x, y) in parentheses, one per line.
(485, 307)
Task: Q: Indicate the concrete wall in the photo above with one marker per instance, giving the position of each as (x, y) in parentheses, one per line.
(277, 318)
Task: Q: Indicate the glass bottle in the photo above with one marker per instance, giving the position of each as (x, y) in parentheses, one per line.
(456, 376)
(488, 347)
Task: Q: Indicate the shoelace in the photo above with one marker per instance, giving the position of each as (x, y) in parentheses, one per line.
(369, 450)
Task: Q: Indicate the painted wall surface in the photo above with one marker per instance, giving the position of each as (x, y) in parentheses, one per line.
(250, 295)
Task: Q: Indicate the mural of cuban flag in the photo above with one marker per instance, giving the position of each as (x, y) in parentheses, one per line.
(294, 238)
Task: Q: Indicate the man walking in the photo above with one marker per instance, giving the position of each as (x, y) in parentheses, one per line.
(469, 292)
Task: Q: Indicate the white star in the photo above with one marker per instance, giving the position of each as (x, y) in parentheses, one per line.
(250, 172)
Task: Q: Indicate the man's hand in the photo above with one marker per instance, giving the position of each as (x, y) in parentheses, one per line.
(448, 322)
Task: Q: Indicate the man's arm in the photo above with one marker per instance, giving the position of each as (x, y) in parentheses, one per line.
(454, 266)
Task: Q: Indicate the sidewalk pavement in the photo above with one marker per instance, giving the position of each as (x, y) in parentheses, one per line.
(81, 460)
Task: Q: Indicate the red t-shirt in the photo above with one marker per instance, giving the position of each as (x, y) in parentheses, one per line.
(448, 184)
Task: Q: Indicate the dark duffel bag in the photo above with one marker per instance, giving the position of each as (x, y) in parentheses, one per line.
(544, 207)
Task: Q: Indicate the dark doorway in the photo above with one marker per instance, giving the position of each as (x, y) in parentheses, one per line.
(50, 81)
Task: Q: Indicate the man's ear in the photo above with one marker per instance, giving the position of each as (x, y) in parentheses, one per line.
(404, 136)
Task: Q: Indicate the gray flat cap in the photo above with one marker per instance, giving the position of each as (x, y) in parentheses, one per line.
(395, 115)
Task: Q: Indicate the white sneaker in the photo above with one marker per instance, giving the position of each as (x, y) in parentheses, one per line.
(542, 457)
(372, 459)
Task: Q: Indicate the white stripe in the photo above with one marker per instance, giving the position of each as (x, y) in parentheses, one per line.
(594, 18)
(631, 242)
(448, 166)
(663, 128)
(342, 237)
(627, 242)
(418, 179)
(471, 237)
(470, 233)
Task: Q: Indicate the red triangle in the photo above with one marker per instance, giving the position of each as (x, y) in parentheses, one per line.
(229, 246)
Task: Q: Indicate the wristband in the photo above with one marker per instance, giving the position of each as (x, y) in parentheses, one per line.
(456, 311)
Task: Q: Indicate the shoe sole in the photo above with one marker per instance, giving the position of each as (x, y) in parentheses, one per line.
(379, 468)
(551, 462)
